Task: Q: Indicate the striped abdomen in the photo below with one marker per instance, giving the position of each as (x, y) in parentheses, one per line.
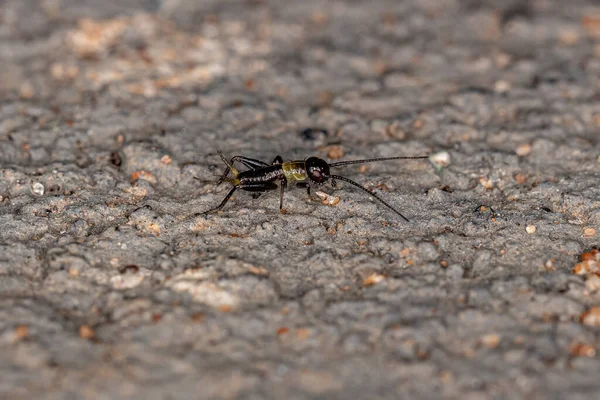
(261, 175)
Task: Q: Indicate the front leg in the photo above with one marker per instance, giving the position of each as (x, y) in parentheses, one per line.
(282, 187)
(307, 186)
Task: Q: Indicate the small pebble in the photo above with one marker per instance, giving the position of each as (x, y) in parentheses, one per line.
(589, 232)
(327, 199)
(37, 189)
(592, 283)
(523, 150)
(520, 178)
(486, 183)
(373, 279)
(143, 175)
(26, 91)
(86, 332)
(418, 124)
(491, 340)
(21, 332)
(440, 160)
(550, 265)
(582, 350)
(530, 229)
(502, 86)
(335, 152)
(282, 331)
(568, 36)
(591, 317)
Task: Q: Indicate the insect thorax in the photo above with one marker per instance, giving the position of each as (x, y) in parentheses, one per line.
(294, 171)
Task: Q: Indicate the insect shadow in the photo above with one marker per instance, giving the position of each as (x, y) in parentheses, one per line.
(261, 177)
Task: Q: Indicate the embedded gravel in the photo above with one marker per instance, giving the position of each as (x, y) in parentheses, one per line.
(110, 117)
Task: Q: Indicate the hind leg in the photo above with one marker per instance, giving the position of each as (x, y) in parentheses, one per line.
(255, 189)
(220, 206)
(249, 163)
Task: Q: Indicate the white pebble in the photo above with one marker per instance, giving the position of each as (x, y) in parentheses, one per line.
(440, 160)
(523, 150)
(502, 86)
(38, 189)
(328, 199)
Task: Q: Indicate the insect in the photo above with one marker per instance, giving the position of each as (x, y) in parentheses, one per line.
(261, 177)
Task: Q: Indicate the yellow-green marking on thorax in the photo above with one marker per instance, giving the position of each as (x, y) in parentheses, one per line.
(294, 171)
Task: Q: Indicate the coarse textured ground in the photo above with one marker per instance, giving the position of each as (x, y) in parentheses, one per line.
(110, 115)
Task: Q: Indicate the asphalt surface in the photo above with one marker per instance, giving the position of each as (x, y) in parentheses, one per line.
(111, 114)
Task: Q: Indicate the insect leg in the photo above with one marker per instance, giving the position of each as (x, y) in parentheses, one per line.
(217, 208)
(230, 166)
(307, 186)
(282, 187)
(277, 160)
(303, 185)
(256, 189)
(249, 163)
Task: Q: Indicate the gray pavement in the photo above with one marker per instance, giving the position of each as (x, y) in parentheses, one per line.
(110, 117)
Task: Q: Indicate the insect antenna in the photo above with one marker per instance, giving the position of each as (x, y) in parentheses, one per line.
(364, 189)
(368, 160)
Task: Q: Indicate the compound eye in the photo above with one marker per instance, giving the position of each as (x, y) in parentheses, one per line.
(316, 175)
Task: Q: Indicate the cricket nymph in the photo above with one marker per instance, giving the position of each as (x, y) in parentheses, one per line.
(261, 177)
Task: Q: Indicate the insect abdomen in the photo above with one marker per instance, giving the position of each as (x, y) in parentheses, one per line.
(261, 175)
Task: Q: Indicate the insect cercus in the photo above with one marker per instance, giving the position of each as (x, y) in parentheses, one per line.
(312, 171)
